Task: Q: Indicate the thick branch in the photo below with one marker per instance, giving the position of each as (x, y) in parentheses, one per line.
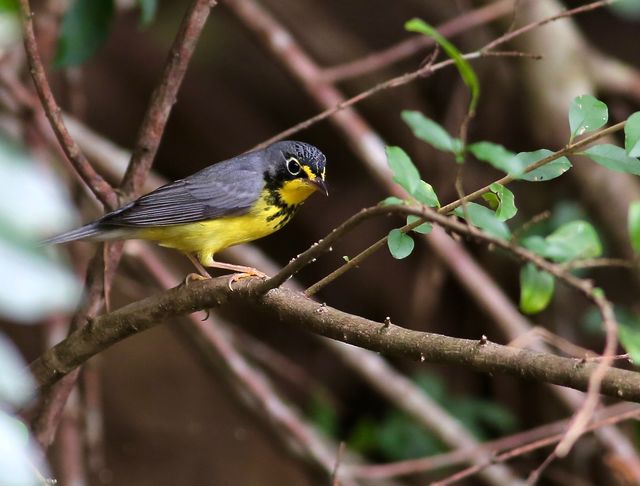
(305, 313)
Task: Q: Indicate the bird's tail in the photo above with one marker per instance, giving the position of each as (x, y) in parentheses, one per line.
(91, 230)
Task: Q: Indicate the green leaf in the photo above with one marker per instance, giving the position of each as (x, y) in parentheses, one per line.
(84, 29)
(632, 135)
(466, 71)
(391, 201)
(485, 219)
(426, 195)
(404, 172)
(495, 155)
(431, 132)
(573, 241)
(424, 228)
(634, 225)
(9, 6)
(536, 289)
(506, 202)
(549, 171)
(492, 200)
(614, 158)
(148, 10)
(587, 114)
(400, 244)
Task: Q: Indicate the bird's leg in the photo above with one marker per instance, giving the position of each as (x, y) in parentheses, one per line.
(202, 272)
(243, 272)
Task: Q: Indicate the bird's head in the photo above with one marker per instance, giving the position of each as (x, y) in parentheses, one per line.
(296, 170)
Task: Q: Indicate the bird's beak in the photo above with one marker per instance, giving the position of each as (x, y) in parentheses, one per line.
(320, 185)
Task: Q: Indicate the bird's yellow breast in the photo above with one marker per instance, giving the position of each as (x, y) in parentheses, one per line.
(272, 211)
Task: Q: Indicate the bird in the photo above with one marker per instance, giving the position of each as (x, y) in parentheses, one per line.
(227, 203)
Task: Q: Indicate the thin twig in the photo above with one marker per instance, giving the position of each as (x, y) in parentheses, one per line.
(538, 444)
(415, 44)
(607, 416)
(239, 5)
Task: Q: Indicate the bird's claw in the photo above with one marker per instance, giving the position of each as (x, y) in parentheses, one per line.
(194, 277)
(239, 276)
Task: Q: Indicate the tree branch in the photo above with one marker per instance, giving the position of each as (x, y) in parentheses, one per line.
(296, 309)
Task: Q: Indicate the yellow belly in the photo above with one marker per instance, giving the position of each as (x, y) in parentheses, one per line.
(205, 238)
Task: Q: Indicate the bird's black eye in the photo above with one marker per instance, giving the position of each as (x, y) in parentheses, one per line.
(293, 166)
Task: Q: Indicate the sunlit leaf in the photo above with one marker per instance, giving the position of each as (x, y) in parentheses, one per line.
(587, 114)
(614, 158)
(400, 244)
(549, 171)
(536, 289)
(404, 171)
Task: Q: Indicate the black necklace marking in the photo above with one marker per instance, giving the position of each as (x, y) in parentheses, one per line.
(273, 198)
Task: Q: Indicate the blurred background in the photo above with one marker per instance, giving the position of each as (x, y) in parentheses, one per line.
(153, 410)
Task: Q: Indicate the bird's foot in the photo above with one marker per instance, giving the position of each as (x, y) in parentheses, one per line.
(195, 277)
(249, 272)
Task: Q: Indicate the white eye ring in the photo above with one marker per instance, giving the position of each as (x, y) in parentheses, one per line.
(293, 166)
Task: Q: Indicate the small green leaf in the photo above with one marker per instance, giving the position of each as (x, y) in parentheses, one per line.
(614, 158)
(492, 200)
(346, 258)
(423, 229)
(485, 219)
(400, 244)
(634, 225)
(391, 201)
(84, 29)
(573, 241)
(587, 114)
(431, 132)
(549, 171)
(506, 202)
(632, 135)
(426, 195)
(404, 172)
(496, 155)
(536, 289)
(148, 10)
(466, 71)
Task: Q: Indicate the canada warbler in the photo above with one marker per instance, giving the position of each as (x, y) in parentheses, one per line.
(231, 202)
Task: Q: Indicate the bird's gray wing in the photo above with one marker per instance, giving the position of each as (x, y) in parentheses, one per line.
(224, 189)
